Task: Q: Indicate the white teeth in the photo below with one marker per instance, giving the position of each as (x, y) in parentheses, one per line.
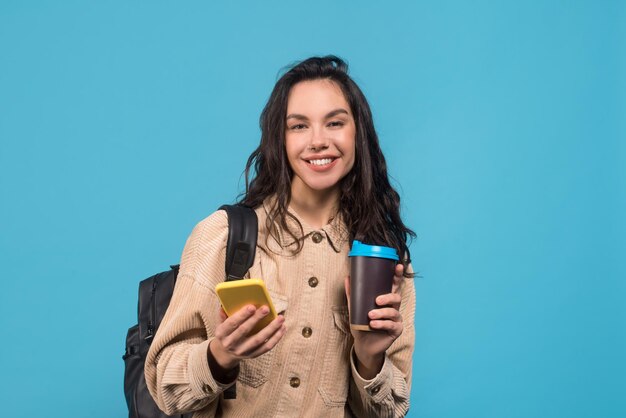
(323, 161)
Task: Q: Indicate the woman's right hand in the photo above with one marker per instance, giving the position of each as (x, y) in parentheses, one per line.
(232, 343)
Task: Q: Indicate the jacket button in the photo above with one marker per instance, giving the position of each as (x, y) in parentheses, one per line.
(317, 237)
(306, 332)
(294, 382)
(313, 281)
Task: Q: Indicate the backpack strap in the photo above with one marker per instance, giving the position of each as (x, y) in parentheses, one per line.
(243, 229)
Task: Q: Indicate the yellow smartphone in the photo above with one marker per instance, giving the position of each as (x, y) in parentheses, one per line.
(236, 294)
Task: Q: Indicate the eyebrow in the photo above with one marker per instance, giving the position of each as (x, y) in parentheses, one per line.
(329, 115)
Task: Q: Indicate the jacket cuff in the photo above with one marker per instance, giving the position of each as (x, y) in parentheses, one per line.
(201, 379)
(378, 388)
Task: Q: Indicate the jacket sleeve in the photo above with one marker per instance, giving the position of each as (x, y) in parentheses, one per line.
(176, 369)
(387, 394)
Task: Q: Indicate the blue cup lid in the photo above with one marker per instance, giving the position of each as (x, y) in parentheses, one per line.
(365, 250)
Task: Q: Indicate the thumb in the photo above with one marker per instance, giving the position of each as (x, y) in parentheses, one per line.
(398, 279)
(222, 315)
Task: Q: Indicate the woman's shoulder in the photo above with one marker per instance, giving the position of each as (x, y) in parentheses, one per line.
(215, 222)
(206, 244)
(211, 228)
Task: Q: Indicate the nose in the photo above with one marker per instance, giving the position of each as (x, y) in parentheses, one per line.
(318, 141)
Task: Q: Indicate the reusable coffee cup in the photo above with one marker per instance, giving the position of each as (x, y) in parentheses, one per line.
(372, 268)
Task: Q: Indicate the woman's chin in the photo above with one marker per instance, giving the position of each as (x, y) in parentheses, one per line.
(320, 187)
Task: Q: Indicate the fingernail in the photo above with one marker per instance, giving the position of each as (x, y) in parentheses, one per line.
(265, 310)
(251, 309)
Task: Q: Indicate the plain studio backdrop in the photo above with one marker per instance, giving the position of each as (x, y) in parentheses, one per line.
(124, 123)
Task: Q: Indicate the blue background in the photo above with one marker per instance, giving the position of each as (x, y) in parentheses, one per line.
(123, 124)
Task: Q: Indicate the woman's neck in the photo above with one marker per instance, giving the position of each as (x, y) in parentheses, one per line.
(316, 208)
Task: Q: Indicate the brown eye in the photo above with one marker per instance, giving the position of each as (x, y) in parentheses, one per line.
(335, 124)
(297, 127)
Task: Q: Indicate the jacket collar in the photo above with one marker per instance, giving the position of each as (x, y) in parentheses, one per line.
(335, 231)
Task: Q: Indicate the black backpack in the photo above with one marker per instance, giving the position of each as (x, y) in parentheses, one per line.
(154, 297)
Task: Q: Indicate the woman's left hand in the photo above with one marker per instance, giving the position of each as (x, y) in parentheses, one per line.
(386, 321)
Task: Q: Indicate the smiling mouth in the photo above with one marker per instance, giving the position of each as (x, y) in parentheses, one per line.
(321, 161)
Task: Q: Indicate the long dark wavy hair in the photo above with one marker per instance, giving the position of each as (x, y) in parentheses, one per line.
(369, 205)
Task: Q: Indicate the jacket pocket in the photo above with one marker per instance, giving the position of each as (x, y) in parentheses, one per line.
(254, 372)
(335, 378)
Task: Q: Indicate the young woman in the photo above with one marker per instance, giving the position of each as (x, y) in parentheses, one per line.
(319, 181)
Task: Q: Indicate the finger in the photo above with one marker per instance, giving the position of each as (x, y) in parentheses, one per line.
(232, 323)
(267, 338)
(389, 299)
(253, 342)
(393, 328)
(244, 329)
(270, 342)
(390, 314)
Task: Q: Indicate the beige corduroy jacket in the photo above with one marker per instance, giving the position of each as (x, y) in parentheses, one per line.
(310, 372)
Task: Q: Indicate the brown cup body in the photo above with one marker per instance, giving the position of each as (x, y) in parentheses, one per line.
(370, 277)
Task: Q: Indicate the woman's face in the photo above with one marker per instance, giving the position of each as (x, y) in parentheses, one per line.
(319, 136)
